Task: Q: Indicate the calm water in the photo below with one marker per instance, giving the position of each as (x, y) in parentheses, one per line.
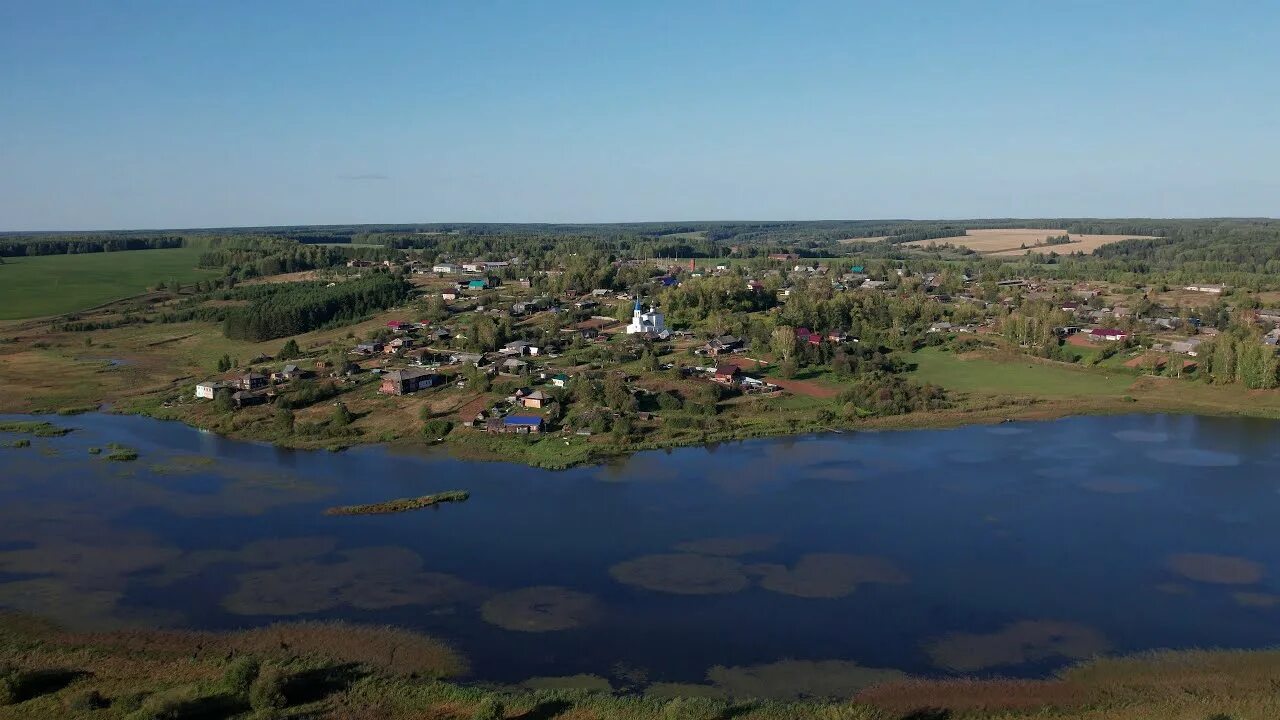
(991, 550)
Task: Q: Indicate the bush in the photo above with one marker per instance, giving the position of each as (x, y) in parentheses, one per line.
(437, 428)
(87, 701)
(488, 709)
(266, 693)
(10, 685)
(239, 675)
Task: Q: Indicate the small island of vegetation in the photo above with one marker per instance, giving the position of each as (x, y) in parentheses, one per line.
(400, 505)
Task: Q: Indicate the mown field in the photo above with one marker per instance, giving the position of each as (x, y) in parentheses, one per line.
(55, 284)
(1005, 242)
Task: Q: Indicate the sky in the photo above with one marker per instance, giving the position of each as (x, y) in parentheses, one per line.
(127, 115)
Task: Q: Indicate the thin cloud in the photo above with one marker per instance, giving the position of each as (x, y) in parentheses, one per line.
(365, 176)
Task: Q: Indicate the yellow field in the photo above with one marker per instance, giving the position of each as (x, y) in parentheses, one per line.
(1007, 242)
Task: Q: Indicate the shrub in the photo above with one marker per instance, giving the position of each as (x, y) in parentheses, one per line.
(239, 675)
(437, 427)
(488, 709)
(10, 684)
(267, 690)
(87, 701)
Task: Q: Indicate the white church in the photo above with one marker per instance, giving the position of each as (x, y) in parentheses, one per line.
(646, 322)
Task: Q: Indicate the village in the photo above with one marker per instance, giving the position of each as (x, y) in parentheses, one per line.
(487, 348)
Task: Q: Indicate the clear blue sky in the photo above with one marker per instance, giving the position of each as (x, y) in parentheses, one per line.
(126, 114)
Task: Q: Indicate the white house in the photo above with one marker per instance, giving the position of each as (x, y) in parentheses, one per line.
(207, 390)
(646, 322)
(473, 267)
(445, 268)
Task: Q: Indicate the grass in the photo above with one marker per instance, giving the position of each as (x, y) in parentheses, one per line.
(120, 453)
(54, 284)
(400, 505)
(33, 427)
(334, 670)
(1013, 374)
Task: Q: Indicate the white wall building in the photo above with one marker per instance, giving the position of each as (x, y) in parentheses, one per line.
(646, 322)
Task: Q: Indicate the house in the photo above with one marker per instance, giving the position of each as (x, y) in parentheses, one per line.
(600, 292)
(287, 373)
(1107, 335)
(207, 390)
(940, 327)
(512, 366)
(448, 296)
(251, 381)
(463, 358)
(755, 285)
(399, 325)
(473, 267)
(1211, 289)
(722, 344)
(535, 400)
(805, 335)
(403, 382)
(727, 374)
(522, 424)
(873, 284)
(477, 284)
(519, 347)
(368, 348)
(560, 380)
(1189, 346)
(445, 268)
(243, 398)
(784, 256)
(1070, 306)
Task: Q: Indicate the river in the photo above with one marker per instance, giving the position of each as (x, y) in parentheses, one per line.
(1011, 549)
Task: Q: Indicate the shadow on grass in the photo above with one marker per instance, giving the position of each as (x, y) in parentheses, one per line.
(315, 685)
(43, 682)
(546, 710)
(928, 714)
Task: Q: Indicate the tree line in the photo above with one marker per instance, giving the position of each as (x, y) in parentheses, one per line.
(295, 308)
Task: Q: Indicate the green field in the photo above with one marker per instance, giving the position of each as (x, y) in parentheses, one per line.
(1017, 376)
(56, 284)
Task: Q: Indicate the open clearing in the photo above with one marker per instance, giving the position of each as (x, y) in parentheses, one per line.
(1007, 242)
(54, 284)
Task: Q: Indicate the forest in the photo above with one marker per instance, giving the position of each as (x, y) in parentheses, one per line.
(295, 308)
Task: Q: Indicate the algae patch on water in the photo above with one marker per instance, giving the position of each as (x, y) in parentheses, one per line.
(828, 575)
(1016, 644)
(682, 574)
(372, 578)
(1215, 569)
(540, 609)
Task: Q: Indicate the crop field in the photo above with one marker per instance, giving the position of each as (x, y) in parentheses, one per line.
(54, 284)
(1009, 242)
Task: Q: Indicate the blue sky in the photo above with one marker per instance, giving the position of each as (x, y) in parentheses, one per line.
(130, 114)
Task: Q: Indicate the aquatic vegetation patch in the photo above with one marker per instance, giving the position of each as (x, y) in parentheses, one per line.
(1116, 485)
(104, 564)
(33, 427)
(590, 683)
(372, 578)
(1016, 644)
(183, 465)
(1141, 436)
(828, 575)
(1195, 457)
(682, 574)
(1255, 599)
(729, 546)
(121, 453)
(401, 505)
(19, 443)
(1215, 569)
(543, 608)
(260, 553)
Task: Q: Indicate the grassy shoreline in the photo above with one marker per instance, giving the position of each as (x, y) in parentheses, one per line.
(339, 670)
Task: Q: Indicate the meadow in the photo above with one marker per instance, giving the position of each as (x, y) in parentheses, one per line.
(54, 284)
(1006, 242)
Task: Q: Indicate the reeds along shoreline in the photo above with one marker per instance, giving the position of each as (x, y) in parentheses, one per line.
(401, 504)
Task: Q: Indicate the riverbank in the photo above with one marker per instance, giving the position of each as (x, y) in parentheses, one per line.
(335, 670)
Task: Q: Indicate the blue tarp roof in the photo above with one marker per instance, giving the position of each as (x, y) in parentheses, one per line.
(522, 420)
